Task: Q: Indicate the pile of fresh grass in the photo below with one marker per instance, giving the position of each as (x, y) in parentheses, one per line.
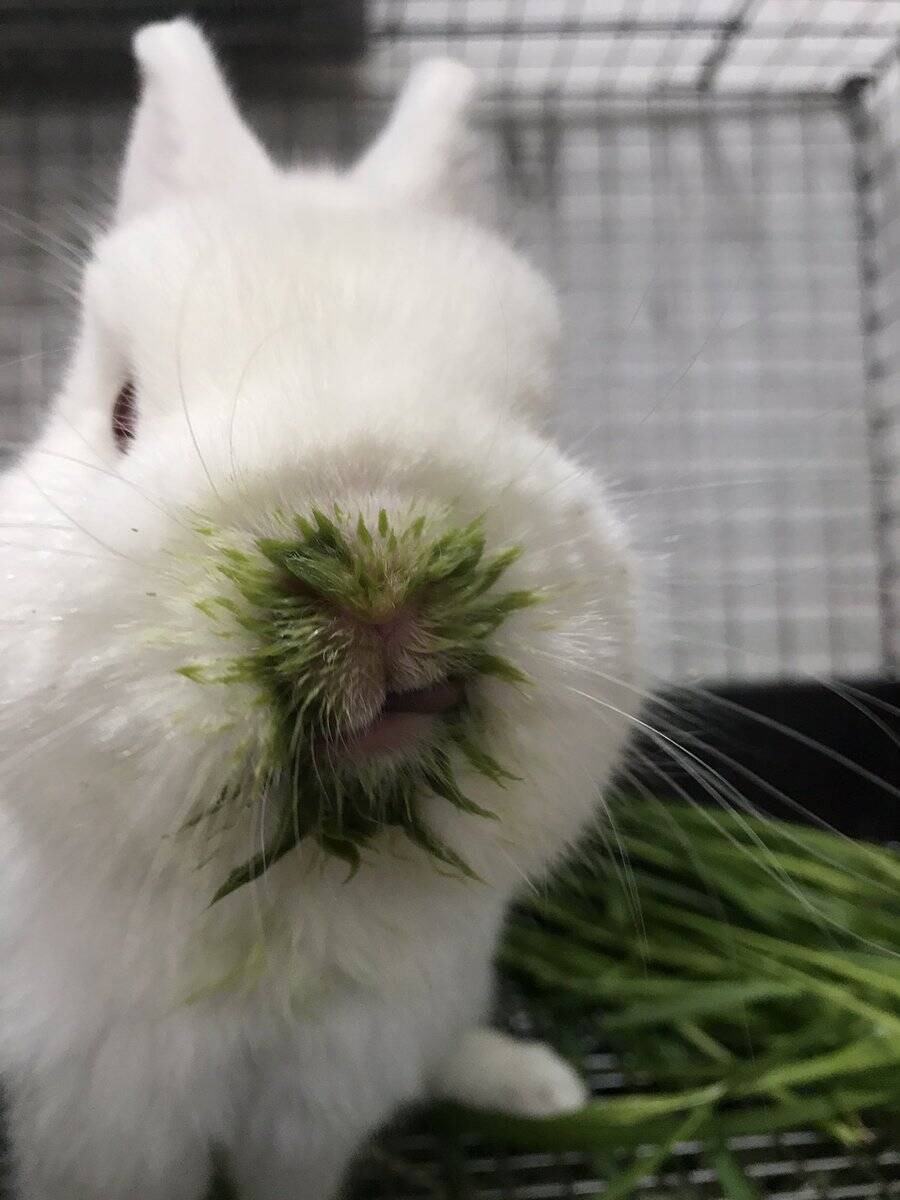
(745, 972)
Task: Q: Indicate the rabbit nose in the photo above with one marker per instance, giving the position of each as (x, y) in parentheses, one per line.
(394, 640)
(396, 627)
(390, 629)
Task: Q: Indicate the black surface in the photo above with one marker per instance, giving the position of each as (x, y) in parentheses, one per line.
(68, 47)
(802, 751)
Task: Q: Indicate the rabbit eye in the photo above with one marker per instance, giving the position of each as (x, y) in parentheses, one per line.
(124, 416)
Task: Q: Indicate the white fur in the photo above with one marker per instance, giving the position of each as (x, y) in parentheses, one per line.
(295, 339)
(490, 1070)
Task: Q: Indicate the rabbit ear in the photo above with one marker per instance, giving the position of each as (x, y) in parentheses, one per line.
(426, 152)
(187, 134)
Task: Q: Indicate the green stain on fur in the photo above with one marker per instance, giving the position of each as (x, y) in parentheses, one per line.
(299, 601)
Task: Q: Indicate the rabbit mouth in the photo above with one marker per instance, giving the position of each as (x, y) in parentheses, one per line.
(329, 614)
(405, 720)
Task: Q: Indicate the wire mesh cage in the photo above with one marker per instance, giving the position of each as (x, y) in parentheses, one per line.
(714, 185)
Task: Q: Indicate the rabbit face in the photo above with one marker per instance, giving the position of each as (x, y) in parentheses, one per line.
(318, 559)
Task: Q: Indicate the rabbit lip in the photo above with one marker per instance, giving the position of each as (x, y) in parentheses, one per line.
(405, 718)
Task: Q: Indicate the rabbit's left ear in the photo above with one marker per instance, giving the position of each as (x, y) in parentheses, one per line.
(187, 135)
(426, 154)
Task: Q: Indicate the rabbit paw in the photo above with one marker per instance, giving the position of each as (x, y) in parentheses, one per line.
(491, 1070)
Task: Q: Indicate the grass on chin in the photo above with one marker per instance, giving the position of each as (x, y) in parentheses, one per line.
(745, 973)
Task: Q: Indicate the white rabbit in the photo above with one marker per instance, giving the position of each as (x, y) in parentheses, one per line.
(346, 360)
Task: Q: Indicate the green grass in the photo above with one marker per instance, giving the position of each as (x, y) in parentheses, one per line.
(745, 973)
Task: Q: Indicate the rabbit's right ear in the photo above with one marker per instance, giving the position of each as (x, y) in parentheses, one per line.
(187, 134)
(426, 153)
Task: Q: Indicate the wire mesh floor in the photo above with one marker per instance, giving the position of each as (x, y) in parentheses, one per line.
(414, 1162)
(793, 1166)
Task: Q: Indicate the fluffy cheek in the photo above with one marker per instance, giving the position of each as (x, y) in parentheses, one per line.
(564, 735)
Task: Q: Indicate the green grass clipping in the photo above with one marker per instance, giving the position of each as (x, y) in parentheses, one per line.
(745, 973)
(299, 601)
